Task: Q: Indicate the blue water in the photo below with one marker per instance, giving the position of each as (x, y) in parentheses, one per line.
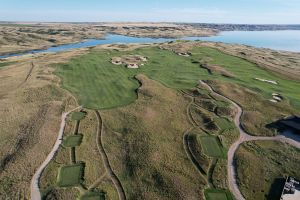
(279, 40)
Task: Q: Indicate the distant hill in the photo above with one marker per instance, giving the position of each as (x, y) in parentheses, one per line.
(246, 27)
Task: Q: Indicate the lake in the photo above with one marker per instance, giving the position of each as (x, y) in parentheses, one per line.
(278, 40)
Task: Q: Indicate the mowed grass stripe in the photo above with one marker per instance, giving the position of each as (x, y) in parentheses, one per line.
(99, 84)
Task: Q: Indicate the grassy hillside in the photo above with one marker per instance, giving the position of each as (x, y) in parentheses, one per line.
(154, 113)
(145, 140)
(262, 166)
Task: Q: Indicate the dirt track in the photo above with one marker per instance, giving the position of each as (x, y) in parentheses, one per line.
(105, 160)
(34, 186)
(244, 137)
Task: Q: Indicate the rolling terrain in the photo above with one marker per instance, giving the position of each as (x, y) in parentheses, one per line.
(155, 132)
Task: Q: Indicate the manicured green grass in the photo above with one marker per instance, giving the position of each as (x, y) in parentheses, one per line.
(97, 83)
(93, 196)
(211, 146)
(223, 123)
(72, 140)
(214, 194)
(78, 115)
(70, 175)
(246, 72)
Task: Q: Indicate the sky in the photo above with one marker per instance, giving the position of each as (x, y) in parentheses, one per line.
(201, 11)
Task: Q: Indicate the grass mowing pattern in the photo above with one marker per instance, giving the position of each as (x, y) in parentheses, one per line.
(72, 140)
(212, 147)
(99, 84)
(215, 194)
(70, 175)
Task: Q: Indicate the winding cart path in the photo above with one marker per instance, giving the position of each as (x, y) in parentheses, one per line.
(34, 186)
(244, 137)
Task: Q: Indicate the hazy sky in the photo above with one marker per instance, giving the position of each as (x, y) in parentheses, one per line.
(209, 11)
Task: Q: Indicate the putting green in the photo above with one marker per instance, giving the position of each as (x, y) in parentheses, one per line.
(70, 175)
(211, 146)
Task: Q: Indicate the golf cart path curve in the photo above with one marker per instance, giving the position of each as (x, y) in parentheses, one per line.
(244, 137)
(34, 186)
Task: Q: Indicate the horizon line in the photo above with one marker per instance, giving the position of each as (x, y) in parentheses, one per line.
(153, 22)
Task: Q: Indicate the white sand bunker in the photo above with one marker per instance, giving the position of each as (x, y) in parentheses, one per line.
(130, 61)
(276, 98)
(185, 54)
(268, 81)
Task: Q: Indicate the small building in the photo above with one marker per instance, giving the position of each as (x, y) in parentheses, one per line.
(291, 189)
(291, 122)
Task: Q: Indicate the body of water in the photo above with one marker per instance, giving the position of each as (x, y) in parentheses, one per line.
(279, 40)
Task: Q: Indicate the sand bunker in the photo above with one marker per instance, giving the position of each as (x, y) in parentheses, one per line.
(268, 81)
(131, 61)
(185, 54)
(276, 98)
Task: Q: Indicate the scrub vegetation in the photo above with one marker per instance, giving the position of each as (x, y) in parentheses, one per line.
(262, 167)
(166, 89)
(165, 136)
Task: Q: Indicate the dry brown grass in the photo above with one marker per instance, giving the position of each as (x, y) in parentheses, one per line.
(283, 63)
(30, 118)
(258, 112)
(260, 166)
(86, 152)
(16, 38)
(151, 162)
(280, 62)
(219, 175)
(215, 69)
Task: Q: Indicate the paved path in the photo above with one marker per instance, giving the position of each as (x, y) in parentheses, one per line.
(244, 137)
(34, 186)
(105, 160)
